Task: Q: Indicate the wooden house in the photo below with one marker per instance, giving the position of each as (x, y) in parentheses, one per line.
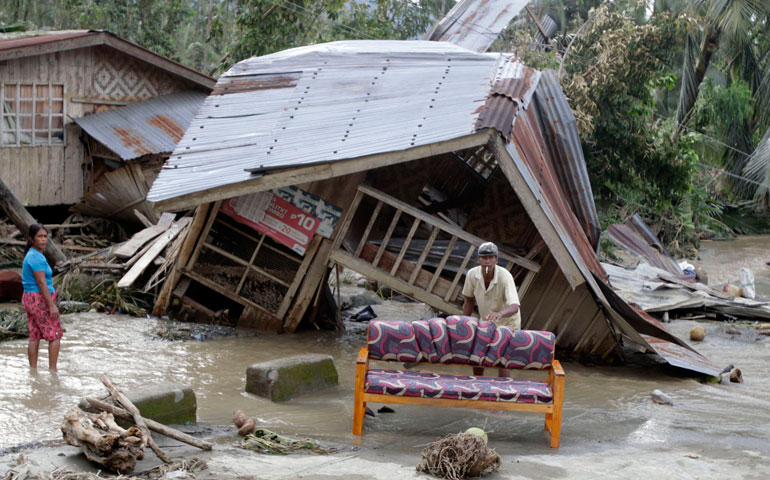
(50, 79)
(411, 154)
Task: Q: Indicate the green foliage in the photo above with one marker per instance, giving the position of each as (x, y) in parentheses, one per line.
(267, 26)
(718, 106)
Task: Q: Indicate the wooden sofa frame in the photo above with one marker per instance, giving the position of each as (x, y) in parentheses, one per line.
(552, 410)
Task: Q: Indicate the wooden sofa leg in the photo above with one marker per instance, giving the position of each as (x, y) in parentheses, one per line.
(359, 412)
(359, 406)
(548, 422)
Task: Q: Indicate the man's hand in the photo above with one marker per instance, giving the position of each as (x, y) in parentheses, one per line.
(494, 317)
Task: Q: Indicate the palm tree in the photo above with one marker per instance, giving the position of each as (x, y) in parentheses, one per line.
(729, 30)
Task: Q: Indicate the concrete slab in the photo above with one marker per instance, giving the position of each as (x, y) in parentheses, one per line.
(167, 403)
(285, 378)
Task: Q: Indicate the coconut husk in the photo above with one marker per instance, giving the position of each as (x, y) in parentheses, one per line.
(459, 456)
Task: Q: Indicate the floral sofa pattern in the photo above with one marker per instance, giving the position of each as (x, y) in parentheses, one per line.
(460, 340)
(435, 385)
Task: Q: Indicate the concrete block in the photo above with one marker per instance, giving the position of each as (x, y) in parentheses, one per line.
(284, 378)
(167, 403)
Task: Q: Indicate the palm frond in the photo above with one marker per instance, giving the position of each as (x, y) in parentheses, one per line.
(757, 168)
(688, 93)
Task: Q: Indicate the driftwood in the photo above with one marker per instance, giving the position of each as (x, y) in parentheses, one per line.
(151, 424)
(119, 397)
(102, 440)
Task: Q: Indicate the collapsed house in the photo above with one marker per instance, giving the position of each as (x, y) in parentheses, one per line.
(50, 82)
(395, 159)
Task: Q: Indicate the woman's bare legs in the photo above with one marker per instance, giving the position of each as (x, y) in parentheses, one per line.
(53, 354)
(32, 349)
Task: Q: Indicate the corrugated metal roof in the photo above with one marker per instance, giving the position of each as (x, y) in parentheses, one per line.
(330, 102)
(561, 137)
(535, 164)
(682, 357)
(550, 28)
(475, 24)
(141, 128)
(512, 90)
(10, 41)
(634, 237)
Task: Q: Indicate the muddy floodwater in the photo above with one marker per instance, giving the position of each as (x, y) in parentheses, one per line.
(724, 259)
(611, 427)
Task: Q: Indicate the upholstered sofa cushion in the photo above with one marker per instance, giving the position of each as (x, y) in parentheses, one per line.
(460, 340)
(434, 385)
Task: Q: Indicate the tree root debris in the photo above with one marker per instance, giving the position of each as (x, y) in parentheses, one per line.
(459, 456)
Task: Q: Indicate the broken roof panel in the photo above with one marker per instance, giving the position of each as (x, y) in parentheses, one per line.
(331, 102)
(475, 24)
(141, 128)
(636, 238)
(560, 133)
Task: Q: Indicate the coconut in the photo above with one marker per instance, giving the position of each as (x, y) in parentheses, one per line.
(479, 432)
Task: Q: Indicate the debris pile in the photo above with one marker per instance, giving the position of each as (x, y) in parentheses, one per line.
(459, 456)
(13, 324)
(657, 291)
(106, 443)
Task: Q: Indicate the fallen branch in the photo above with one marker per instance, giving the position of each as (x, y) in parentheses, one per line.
(151, 424)
(119, 397)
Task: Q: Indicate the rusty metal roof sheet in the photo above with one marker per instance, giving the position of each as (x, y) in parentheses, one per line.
(141, 128)
(634, 237)
(549, 27)
(336, 101)
(533, 159)
(682, 357)
(475, 24)
(561, 137)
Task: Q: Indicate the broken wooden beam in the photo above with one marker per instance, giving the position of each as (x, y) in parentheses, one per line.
(22, 219)
(119, 397)
(129, 248)
(151, 424)
(130, 277)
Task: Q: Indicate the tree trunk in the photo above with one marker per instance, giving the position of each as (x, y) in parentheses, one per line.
(22, 219)
(708, 46)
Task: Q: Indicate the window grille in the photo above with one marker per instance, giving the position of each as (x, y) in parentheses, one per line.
(481, 160)
(31, 114)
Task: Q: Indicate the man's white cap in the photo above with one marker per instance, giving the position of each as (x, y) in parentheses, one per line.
(487, 248)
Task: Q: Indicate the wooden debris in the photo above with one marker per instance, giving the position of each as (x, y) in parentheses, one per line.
(102, 440)
(130, 277)
(22, 219)
(136, 242)
(696, 286)
(151, 424)
(119, 397)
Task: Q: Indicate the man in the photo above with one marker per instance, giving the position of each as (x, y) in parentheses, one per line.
(492, 289)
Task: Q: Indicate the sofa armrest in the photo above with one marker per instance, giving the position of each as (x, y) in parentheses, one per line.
(363, 356)
(557, 370)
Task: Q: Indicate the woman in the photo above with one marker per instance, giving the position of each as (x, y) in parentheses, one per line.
(39, 299)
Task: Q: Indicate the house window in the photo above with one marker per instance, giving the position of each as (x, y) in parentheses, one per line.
(481, 161)
(32, 114)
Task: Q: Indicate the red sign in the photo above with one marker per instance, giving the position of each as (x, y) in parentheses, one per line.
(278, 219)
